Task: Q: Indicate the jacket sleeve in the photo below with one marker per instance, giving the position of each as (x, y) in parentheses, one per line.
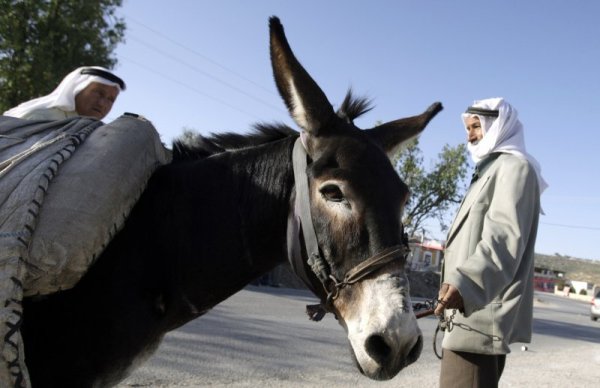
(507, 210)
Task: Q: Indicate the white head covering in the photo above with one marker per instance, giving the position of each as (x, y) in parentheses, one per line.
(63, 97)
(501, 134)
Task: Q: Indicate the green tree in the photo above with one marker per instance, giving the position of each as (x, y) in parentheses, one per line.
(43, 40)
(433, 193)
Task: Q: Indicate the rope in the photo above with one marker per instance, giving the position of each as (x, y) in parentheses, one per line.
(8, 164)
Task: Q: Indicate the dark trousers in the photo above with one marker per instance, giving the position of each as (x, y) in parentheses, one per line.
(470, 370)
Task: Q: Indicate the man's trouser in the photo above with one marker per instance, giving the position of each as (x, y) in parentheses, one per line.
(470, 370)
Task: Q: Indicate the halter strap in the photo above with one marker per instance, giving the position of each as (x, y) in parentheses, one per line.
(300, 222)
(303, 208)
(372, 264)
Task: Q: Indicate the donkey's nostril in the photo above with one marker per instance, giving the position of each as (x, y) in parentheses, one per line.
(377, 348)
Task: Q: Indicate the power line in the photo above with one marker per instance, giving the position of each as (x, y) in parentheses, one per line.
(195, 90)
(199, 54)
(196, 69)
(571, 226)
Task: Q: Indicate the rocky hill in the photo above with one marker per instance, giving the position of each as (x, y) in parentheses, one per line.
(574, 269)
(422, 284)
(426, 284)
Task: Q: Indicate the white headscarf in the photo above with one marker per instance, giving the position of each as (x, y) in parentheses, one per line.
(63, 97)
(501, 134)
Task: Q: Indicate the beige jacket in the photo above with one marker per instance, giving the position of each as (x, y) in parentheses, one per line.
(489, 257)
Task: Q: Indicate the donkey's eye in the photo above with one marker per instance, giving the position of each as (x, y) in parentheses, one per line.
(332, 193)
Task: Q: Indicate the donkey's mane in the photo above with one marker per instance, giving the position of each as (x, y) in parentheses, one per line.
(193, 146)
(353, 107)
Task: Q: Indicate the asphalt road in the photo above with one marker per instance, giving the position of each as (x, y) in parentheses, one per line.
(261, 337)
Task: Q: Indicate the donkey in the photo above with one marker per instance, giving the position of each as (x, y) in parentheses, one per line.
(223, 213)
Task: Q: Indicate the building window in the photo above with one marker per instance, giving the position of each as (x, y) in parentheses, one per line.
(427, 257)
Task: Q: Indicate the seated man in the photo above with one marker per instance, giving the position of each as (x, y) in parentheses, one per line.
(86, 91)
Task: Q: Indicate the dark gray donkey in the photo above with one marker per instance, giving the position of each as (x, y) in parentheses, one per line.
(228, 209)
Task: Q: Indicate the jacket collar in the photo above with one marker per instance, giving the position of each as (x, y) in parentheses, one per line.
(478, 182)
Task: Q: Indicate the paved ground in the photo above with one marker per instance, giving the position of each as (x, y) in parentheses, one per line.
(260, 337)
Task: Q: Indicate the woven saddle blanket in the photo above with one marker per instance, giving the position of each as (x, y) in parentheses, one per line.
(66, 188)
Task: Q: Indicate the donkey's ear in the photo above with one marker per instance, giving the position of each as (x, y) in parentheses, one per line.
(390, 136)
(305, 101)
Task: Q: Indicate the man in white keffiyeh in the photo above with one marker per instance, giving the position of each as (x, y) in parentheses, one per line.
(487, 278)
(501, 132)
(87, 91)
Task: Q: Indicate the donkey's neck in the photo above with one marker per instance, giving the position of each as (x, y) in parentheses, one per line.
(226, 219)
(261, 184)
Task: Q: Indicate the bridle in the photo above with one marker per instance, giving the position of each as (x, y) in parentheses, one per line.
(326, 285)
(315, 272)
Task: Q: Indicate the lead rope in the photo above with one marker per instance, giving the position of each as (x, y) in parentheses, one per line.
(443, 322)
(443, 325)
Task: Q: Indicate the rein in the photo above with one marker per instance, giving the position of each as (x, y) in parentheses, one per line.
(444, 323)
(330, 286)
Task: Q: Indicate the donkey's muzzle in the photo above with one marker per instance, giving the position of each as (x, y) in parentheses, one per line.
(390, 363)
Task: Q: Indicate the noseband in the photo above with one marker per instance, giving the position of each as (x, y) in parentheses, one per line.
(329, 287)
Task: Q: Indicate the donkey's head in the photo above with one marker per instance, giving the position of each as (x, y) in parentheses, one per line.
(356, 201)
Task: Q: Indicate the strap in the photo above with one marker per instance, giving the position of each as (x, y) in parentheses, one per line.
(303, 207)
(374, 263)
(314, 272)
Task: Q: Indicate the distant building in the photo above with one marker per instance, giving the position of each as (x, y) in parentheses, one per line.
(545, 279)
(426, 255)
(578, 286)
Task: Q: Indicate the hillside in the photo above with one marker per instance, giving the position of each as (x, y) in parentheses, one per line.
(426, 284)
(574, 269)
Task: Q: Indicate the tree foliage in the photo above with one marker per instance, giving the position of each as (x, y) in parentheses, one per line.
(433, 193)
(43, 40)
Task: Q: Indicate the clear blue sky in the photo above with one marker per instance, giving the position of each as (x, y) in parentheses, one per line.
(205, 65)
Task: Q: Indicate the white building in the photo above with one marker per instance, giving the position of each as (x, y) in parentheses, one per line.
(426, 256)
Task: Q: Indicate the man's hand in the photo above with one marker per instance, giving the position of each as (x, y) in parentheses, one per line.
(449, 298)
